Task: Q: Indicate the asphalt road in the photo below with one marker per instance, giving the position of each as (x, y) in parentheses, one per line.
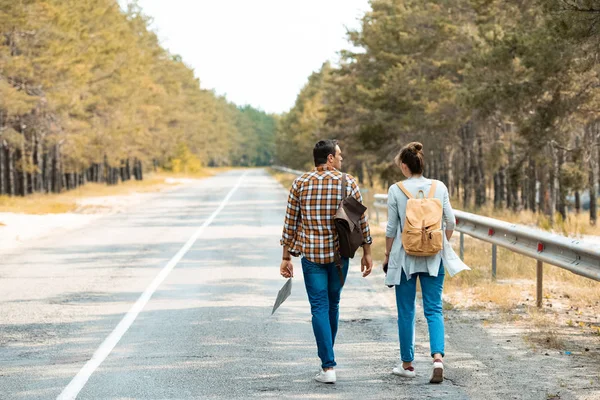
(206, 331)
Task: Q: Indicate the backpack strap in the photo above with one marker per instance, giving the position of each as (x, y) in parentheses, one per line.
(404, 190)
(344, 184)
(432, 190)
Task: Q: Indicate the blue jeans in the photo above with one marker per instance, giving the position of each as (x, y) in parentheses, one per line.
(431, 289)
(323, 287)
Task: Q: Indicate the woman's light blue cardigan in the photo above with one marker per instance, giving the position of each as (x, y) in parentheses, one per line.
(400, 261)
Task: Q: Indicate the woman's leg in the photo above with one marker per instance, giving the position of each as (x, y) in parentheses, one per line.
(405, 302)
(432, 288)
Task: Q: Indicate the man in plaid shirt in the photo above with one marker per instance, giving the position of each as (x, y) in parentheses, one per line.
(309, 231)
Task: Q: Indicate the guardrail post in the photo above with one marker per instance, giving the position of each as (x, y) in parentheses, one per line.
(462, 246)
(494, 253)
(540, 276)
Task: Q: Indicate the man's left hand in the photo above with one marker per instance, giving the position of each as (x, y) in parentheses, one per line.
(366, 265)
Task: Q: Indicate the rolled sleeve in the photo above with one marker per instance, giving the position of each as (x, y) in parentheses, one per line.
(364, 221)
(393, 218)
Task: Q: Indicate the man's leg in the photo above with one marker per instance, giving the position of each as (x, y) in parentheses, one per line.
(335, 291)
(432, 288)
(405, 302)
(315, 279)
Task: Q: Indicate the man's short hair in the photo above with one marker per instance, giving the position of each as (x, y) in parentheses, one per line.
(322, 150)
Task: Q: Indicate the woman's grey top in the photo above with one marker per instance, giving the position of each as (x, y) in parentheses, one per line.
(400, 261)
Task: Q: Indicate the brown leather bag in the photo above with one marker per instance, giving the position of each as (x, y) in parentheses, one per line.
(347, 224)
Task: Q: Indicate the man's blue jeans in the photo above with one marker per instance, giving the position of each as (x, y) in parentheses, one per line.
(431, 289)
(323, 287)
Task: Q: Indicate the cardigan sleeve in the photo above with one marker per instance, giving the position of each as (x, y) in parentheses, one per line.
(393, 217)
(449, 218)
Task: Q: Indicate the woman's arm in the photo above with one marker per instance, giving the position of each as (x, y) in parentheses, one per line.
(448, 214)
(393, 223)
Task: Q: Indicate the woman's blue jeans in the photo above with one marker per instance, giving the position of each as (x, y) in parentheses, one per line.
(431, 289)
(324, 288)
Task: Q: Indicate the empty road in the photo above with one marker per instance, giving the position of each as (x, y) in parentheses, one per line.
(172, 300)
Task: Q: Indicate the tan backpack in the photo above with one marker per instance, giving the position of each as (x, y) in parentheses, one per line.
(422, 230)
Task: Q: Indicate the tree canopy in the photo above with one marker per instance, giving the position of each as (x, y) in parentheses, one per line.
(503, 94)
(88, 93)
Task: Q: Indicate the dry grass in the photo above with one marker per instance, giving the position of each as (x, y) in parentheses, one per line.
(517, 274)
(569, 300)
(67, 201)
(284, 178)
(573, 225)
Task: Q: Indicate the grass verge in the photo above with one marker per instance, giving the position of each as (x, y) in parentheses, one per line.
(68, 200)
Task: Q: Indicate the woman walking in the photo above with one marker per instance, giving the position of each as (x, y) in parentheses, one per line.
(404, 269)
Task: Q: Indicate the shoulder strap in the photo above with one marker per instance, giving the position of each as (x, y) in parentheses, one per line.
(404, 190)
(344, 184)
(432, 190)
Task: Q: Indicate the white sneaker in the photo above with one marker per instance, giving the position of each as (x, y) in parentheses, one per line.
(406, 373)
(437, 376)
(326, 376)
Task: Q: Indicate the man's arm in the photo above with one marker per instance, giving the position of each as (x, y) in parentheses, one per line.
(364, 223)
(367, 259)
(290, 231)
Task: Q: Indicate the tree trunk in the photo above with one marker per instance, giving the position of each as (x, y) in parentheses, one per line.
(524, 189)
(2, 169)
(554, 176)
(56, 171)
(497, 200)
(140, 170)
(39, 164)
(544, 200)
(592, 138)
(512, 185)
(450, 171)
(122, 171)
(24, 173)
(48, 172)
(532, 192)
(593, 188)
(128, 171)
(480, 173)
(562, 193)
(467, 150)
(11, 171)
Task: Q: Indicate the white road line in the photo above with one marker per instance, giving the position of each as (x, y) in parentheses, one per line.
(73, 389)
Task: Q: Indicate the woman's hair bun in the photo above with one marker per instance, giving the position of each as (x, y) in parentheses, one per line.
(412, 156)
(415, 147)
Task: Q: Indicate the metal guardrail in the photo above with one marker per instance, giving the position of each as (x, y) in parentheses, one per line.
(571, 254)
(567, 253)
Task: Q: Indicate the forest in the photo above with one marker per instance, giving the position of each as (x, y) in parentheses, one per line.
(87, 93)
(503, 94)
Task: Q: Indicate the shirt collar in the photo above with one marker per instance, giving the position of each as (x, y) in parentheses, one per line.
(322, 168)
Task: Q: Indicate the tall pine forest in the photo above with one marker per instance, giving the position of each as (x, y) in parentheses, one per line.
(88, 94)
(504, 95)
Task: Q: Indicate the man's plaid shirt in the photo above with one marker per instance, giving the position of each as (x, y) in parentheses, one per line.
(314, 198)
